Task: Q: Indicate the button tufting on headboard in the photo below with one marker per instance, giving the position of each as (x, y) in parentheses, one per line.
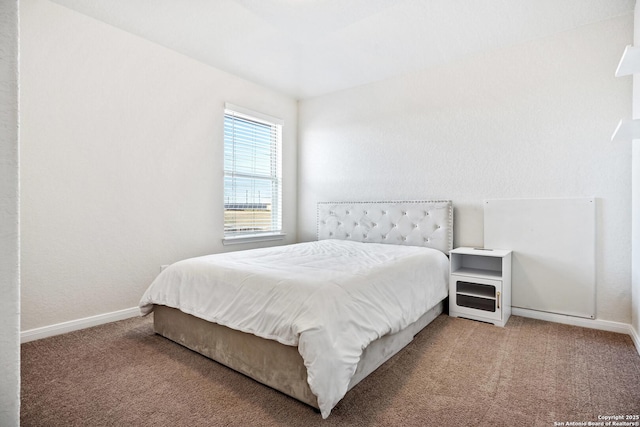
(415, 223)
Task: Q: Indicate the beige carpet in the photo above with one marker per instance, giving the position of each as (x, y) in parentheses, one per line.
(455, 373)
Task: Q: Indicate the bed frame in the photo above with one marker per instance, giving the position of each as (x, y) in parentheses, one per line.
(417, 223)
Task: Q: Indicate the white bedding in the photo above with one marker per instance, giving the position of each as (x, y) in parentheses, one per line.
(330, 298)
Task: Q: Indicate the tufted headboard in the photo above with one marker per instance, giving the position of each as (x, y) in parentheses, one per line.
(414, 223)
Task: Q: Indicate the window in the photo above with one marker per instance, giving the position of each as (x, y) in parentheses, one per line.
(252, 175)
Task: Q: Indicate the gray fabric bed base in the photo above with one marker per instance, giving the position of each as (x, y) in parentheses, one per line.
(277, 365)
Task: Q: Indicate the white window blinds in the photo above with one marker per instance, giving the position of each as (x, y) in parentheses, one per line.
(252, 173)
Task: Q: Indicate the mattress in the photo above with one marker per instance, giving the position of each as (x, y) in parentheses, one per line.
(329, 298)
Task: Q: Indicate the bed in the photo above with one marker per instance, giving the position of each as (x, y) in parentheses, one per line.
(313, 319)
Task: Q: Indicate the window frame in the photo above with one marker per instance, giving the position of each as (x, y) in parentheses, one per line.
(231, 110)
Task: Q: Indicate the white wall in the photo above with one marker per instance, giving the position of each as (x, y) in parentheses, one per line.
(121, 162)
(528, 121)
(9, 218)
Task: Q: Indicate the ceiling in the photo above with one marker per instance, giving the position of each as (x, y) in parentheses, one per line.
(307, 48)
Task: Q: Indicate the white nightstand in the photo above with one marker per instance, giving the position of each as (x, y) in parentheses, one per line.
(480, 284)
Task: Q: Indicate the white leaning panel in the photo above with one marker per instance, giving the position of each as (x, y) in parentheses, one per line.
(554, 257)
(414, 223)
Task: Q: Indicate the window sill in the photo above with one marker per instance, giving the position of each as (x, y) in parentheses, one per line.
(252, 239)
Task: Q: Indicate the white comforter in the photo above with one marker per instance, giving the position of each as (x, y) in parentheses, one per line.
(331, 298)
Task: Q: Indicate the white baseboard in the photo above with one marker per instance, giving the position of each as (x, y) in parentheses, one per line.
(604, 325)
(87, 322)
(636, 338)
(75, 325)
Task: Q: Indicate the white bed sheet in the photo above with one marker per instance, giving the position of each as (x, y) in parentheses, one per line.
(330, 298)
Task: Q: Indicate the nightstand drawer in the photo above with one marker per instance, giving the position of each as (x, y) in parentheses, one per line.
(475, 296)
